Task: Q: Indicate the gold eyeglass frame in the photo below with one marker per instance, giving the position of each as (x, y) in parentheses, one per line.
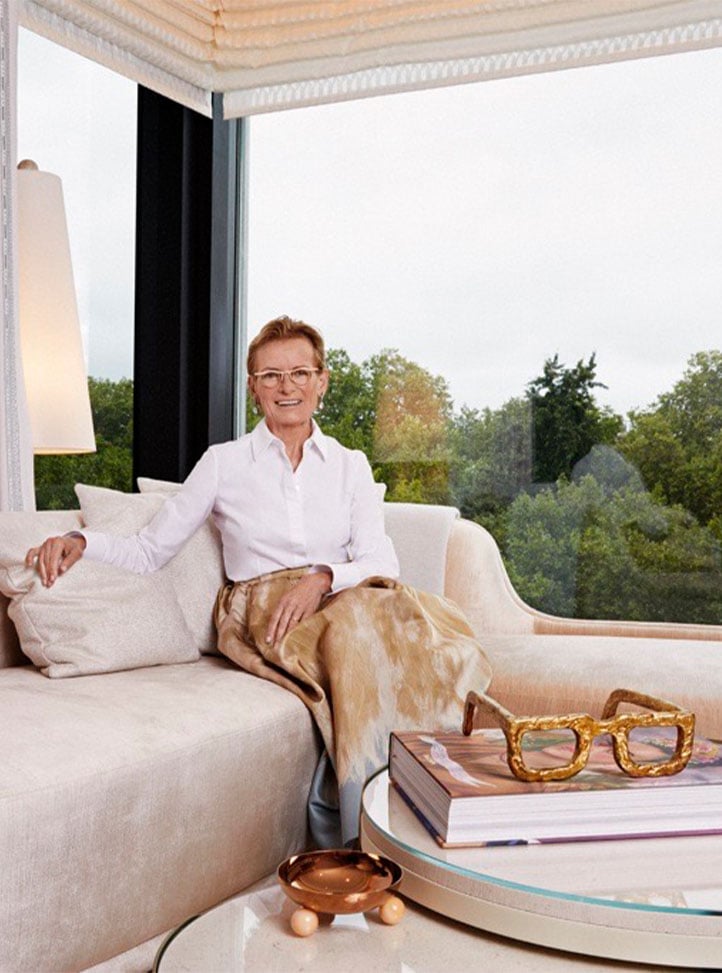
(585, 728)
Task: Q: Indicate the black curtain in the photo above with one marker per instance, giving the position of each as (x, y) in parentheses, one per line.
(185, 259)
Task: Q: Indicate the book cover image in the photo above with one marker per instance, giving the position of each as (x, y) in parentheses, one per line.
(476, 765)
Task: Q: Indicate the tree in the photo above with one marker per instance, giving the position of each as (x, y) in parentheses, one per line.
(567, 421)
(651, 445)
(396, 412)
(578, 549)
(349, 408)
(112, 407)
(111, 466)
(542, 540)
(677, 443)
(491, 459)
(413, 408)
(694, 406)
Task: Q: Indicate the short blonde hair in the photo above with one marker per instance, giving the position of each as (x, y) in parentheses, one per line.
(278, 330)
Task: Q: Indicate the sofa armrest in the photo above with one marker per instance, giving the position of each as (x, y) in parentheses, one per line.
(477, 581)
(551, 625)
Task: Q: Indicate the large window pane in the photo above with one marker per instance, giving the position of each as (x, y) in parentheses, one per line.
(78, 120)
(480, 259)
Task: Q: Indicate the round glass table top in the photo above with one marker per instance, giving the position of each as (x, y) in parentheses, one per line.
(676, 875)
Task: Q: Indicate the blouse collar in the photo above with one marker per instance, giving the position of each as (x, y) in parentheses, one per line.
(262, 438)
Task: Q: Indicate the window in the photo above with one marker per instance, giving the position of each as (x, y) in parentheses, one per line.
(479, 259)
(78, 120)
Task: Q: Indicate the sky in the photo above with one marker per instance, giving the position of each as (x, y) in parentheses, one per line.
(479, 229)
(77, 119)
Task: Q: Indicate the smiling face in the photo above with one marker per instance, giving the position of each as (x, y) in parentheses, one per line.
(286, 406)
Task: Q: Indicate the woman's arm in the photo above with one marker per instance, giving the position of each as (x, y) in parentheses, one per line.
(179, 517)
(370, 549)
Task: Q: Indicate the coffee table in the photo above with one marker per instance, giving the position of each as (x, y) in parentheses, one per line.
(654, 900)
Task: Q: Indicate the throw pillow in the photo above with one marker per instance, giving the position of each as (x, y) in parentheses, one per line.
(194, 575)
(95, 618)
(147, 484)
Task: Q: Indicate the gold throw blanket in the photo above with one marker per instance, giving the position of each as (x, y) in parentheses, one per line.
(378, 657)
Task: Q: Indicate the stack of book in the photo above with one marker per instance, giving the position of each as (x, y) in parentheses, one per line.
(462, 790)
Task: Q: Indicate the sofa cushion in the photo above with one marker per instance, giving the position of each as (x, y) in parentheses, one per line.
(95, 618)
(133, 800)
(420, 535)
(193, 576)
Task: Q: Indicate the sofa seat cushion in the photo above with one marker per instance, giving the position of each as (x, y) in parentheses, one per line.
(543, 674)
(131, 800)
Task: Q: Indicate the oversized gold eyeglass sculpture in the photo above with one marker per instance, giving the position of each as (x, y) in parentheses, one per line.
(585, 728)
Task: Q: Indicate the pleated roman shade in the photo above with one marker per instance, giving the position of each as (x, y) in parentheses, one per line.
(265, 55)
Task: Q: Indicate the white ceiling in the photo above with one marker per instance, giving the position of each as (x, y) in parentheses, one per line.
(265, 55)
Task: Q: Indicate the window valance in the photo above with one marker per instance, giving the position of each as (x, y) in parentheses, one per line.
(270, 54)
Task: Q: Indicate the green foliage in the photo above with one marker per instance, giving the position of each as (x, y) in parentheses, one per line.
(543, 533)
(651, 445)
(398, 413)
(112, 407)
(349, 407)
(111, 466)
(694, 406)
(631, 524)
(491, 458)
(567, 421)
(576, 549)
(677, 443)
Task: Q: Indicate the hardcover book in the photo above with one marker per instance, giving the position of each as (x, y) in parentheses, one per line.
(462, 790)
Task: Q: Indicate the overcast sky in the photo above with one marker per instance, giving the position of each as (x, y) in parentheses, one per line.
(77, 119)
(478, 229)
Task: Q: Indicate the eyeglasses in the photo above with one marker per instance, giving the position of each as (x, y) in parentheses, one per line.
(299, 376)
(584, 728)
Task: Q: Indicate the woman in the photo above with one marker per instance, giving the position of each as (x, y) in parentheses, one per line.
(282, 496)
(310, 602)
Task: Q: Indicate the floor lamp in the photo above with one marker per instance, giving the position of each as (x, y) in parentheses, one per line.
(56, 381)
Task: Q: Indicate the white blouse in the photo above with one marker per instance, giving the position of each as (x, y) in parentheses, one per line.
(328, 513)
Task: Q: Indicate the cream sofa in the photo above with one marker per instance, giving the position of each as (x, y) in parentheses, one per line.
(131, 800)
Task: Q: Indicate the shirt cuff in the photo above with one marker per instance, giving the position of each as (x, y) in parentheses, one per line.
(343, 575)
(95, 544)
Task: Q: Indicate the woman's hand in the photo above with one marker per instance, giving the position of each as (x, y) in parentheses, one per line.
(298, 603)
(55, 556)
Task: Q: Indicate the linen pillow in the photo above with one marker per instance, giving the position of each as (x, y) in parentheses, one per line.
(146, 484)
(194, 575)
(95, 618)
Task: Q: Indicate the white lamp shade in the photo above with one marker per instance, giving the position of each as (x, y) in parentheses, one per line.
(56, 382)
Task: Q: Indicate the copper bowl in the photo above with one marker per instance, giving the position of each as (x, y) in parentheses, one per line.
(338, 882)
